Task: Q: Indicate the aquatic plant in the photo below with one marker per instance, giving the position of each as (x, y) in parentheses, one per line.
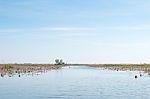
(9, 66)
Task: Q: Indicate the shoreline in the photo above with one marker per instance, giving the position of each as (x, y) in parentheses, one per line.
(55, 66)
(12, 69)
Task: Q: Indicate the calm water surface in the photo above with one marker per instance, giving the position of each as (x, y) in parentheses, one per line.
(76, 83)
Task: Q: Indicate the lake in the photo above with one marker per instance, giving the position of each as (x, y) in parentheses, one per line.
(76, 82)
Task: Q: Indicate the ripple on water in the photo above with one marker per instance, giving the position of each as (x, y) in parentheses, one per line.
(77, 82)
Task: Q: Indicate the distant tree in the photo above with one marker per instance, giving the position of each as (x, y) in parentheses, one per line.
(57, 61)
(60, 61)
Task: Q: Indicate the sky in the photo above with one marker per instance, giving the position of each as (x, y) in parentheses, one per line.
(77, 31)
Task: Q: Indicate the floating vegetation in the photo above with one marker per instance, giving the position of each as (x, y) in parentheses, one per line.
(125, 67)
(25, 69)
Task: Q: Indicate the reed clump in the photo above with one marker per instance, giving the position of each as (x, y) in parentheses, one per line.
(9, 66)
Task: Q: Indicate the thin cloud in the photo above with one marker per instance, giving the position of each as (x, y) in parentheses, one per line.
(75, 29)
(9, 30)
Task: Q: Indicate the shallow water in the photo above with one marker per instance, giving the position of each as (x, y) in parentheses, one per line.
(76, 82)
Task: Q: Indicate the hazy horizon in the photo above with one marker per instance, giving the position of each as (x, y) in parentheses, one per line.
(77, 31)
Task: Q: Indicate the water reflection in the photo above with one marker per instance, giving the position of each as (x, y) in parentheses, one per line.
(20, 70)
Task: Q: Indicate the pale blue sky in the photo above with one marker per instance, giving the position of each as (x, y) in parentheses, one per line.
(78, 31)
